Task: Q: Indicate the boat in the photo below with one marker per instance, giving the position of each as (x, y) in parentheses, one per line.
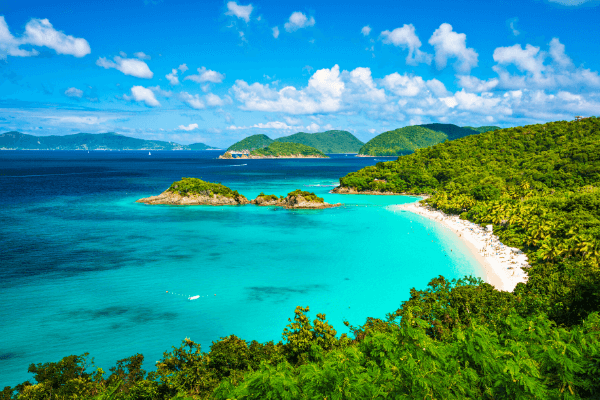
(149, 153)
(193, 298)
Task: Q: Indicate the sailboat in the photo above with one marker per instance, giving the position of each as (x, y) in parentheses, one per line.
(149, 153)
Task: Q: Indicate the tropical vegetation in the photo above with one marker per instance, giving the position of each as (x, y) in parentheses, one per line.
(195, 186)
(278, 149)
(308, 196)
(327, 142)
(482, 129)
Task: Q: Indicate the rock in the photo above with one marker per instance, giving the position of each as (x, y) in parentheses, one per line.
(175, 199)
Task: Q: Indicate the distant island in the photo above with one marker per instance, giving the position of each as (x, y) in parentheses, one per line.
(327, 142)
(406, 140)
(196, 192)
(89, 141)
(277, 150)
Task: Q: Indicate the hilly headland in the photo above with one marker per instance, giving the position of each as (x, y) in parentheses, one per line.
(278, 150)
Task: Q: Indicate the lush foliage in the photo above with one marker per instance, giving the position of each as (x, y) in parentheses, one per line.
(267, 197)
(308, 196)
(187, 186)
(83, 141)
(250, 143)
(327, 142)
(278, 149)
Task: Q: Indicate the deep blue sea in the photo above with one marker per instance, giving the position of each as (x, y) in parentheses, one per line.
(83, 268)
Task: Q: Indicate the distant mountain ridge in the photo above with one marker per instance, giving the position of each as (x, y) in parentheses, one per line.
(88, 141)
(333, 141)
(410, 138)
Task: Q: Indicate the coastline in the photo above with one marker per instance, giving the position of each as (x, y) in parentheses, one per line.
(501, 264)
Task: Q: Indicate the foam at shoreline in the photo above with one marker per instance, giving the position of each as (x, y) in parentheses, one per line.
(502, 264)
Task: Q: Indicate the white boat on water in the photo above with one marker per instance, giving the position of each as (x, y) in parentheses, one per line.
(149, 153)
(193, 298)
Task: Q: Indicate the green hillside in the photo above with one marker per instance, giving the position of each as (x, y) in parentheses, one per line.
(83, 141)
(482, 129)
(251, 143)
(452, 131)
(327, 142)
(278, 149)
(402, 141)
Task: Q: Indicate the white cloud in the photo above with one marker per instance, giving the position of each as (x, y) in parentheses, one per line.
(406, 38)
(557, 52)
(193, 101)
(74, 92)
(206, 75)
(449, 44)
(365, 30)
(242, 12)
(183, 68)
(573, 3)
(141, 55)
(40, 32)
(474, 84)
(190, 127)
(79, 120)
(298, 20)
(142, 94)
(512, 24)
(527, 59)
(212, 100)
(156, 89)
(128, 66)
(172, 77)
(292, 120)
(276, 32)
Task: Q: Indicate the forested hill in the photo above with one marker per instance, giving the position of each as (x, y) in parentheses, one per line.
(251, 143)
(406, 140)
(87, 141)
(460, 339)
(327, 142)
(402, 141)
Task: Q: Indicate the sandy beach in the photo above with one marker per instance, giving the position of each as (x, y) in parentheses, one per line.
(502, 264)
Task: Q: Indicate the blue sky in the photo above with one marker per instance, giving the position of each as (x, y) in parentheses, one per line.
(216, 72)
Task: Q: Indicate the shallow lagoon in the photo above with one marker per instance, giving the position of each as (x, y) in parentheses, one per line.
(86, 269)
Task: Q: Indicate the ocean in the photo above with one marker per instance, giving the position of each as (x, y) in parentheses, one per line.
(83, 268)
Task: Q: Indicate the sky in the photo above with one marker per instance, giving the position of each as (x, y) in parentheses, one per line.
(216, 72)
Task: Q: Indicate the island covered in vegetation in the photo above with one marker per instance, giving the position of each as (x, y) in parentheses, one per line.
(328, 142)
(537, 185)
(297, 199)
(279, 150)
(194, 191)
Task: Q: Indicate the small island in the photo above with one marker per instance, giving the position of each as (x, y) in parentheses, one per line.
(278, 150)
(195, 192)
(297, 199)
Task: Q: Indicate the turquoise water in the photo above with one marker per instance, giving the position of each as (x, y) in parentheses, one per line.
(86, 269)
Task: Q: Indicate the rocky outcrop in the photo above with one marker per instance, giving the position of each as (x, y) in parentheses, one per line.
(292, 202)
(204, 199)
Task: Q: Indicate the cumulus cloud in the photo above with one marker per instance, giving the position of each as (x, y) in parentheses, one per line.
(190, 127)
(242, 12)
(193, 101)
(298, 20)
(141, 55)
(366, 30)
(40, 32)
(406, 38)
(142, 94)
(128, 66)
(172, 77)
(276, 32)
(206, 75)
(183, 68)
(449, 44)
(212, 100)
(74, 92)
(528, 59)
(512, 25)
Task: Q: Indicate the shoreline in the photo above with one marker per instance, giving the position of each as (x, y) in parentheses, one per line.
(501, 264)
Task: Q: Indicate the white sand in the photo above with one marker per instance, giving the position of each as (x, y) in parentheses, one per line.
(502, 264)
